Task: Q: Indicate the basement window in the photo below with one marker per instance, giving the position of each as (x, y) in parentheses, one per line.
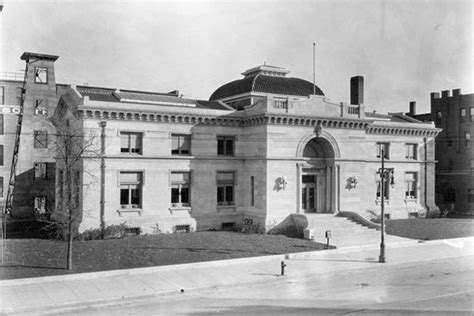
(228, 226)
(182, 229)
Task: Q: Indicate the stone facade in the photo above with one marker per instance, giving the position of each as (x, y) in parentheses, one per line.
(262, 147)
(287, 154)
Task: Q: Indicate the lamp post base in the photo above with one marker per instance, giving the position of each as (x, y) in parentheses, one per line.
(382, 253)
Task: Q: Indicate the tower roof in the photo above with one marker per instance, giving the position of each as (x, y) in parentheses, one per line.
(26, 56)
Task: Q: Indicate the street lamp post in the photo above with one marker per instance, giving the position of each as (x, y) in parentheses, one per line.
(382, 213)
(384, 174)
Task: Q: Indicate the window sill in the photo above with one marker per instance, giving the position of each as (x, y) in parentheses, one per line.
(410, 200)
(173, 209)
(130, 210)
(225, 208)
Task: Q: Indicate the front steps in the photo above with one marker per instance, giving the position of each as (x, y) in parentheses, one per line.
(344, 232)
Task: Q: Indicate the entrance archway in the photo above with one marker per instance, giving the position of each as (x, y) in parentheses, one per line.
(318, 148)
(317, 177)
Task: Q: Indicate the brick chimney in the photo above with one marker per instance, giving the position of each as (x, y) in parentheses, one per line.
(357, 90)
(412, 108)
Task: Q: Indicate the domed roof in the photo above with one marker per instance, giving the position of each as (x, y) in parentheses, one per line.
(266, 79)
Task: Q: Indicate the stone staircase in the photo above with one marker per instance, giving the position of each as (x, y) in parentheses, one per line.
(344, 232)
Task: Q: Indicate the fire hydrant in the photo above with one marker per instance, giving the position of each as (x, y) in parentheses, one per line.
(283, 265)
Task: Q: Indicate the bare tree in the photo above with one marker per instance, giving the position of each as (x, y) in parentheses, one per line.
(71, 145)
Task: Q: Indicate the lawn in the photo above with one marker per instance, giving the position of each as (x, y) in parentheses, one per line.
(40, 257)
(431, 229)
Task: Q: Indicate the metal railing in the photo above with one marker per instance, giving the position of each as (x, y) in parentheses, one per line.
(352, 110)
(15, 76)
(280, 104)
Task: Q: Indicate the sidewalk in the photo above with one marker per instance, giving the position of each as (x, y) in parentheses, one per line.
(81, 290)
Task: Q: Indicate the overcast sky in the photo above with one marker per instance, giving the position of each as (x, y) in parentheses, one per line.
(404, 49)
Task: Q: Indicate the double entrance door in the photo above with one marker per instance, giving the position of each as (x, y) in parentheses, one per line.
(312, 194)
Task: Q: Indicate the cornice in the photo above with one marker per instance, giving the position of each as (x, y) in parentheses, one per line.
(178, 118)
(404, 131)
(261, 119)
(278, 119)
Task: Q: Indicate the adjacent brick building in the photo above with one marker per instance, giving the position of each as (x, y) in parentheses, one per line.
(34, 188)
(454, 113)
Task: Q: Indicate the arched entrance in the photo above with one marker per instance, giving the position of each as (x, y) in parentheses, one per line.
(317, 175)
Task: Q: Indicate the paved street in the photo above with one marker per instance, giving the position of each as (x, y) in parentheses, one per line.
(443, 286)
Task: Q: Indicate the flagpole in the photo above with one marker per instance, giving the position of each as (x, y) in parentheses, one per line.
(314, 68)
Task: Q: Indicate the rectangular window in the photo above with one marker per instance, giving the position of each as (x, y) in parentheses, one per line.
(385, 148)
(1, 124)
(467, 136)
(41, 107)
(252, 191)
(2, 95)
(471, 110)
(40, 170)
(463, 114)
(180, 189)
(180, 144)
(1, 155)
(130, 189)
(385, 188)
(410, 185)
(131, 143)
(225, 145)
(40, 204)
(182, 229)
(41, 139)
(19, 93)
(1, 187)
(225, 188)
(470, 195)
(411, 151)
(41, 75)
(438, 119)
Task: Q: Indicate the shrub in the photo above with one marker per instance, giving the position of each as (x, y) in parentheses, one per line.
(54, 230)
(110, 231)
(248, 227)
(156, 229)
(433, 213)
(374, 216)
